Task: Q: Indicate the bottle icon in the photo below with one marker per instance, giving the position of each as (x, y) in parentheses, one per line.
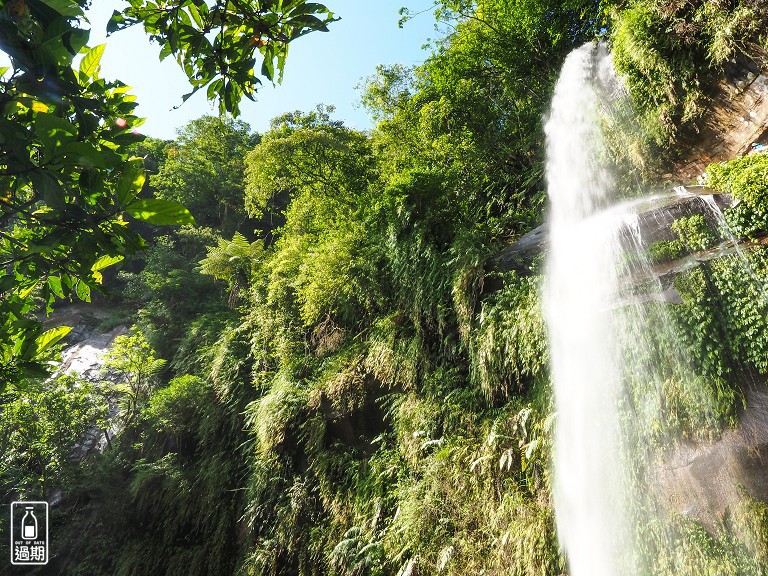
(29, 525)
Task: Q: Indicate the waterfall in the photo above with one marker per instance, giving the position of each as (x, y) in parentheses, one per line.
(581, 282)
(623, 383)
(641, 399)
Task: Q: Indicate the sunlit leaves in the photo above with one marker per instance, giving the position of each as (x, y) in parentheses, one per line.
(232, 260)
(68, 184)
(134, 362)
(90, 64)
(65, 176)
(203, 170)
(50, 337)
(157, 211)
(218, 45)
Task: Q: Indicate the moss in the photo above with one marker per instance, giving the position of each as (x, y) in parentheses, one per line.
(665, 250)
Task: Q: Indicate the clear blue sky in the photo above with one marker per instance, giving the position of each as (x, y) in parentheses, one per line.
(321, 67)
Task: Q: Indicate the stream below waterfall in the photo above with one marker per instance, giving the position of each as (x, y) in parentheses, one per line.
(82, 355)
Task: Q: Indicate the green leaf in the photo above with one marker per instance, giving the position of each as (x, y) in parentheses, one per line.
(83, 291)
(308, 8)
(102, 263)
(105, 261)
(48, 187)
(118, 21)
(65, 7)
(27, 291)
(131, 181)
(89, 65)
(84, 153)
(157, 211)
(53, 133)
(50, 337)
(308, 21)
(54, 284)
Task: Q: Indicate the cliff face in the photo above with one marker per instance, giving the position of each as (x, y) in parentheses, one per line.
(735, 116)
(654, 223)
(707, 480)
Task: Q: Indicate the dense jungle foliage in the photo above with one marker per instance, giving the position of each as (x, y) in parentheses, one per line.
(327, 375)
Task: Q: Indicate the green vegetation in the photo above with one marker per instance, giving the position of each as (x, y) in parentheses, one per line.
(69, 182)
(325, 376)
(746, 179)
(132, 361)
(694, 234)
(665, 250)
(671, 54)
(203, 169)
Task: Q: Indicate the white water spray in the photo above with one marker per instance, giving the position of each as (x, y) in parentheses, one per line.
(582, 280)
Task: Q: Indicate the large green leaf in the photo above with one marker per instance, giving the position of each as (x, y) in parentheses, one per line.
(89, 65)
(50, 337)
(157, 211)
(53, 132)
(64, 7)
(102, 263)
(105, 261)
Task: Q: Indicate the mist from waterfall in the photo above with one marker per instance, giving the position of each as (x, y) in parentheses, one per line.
(615, 355)
(581, 281)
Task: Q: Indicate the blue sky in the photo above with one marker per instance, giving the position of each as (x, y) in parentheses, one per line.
(321, 67)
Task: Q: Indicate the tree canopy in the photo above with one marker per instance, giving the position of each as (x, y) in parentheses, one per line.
(69, 184)
(203, 169)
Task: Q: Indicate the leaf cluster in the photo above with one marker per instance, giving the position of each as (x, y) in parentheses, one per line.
(746, 179)
(68, 182)
(217, 44)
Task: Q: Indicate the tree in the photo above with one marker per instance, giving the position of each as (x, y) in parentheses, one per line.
(319, 175)
(168, 292)
(233, 261)
(133, 364)
(472, 112)
(69, 186)
(40, 430)
(204, 170)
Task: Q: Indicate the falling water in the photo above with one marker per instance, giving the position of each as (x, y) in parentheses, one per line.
(581, 282)
(624, 385)
(612, 354)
